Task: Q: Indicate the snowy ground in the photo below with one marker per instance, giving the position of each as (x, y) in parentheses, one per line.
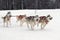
(15, 32)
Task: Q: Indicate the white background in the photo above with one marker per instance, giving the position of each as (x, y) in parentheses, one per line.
(15, 32)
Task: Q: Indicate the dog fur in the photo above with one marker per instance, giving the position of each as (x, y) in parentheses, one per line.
(44, 20)
(32, 21)
(21, 18)
(6, 19)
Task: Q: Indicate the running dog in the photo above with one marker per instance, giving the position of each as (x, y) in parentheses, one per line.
(29, 20)
(44, 20)
(21, 18)
(32, 21)
(6, 18)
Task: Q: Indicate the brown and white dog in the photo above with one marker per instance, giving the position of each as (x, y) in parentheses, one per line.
(6, 18)
(44, 20)
(21, 18)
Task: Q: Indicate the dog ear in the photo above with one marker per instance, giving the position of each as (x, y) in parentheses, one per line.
(36, 15)
(8, 12)
(48, 15)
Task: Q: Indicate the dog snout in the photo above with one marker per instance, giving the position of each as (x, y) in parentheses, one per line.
(51, 18)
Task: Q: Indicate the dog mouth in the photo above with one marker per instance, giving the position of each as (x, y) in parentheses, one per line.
(50, 18)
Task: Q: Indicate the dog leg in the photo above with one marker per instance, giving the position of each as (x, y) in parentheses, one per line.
(37, 24)
(44, 25)
(27, 24)
(21, 23)
(32, 26)
(7, 23)
(3, 24)
(41, 26)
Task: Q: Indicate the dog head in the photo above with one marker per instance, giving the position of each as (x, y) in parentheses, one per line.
(8, 12)
(49, 17)
(36, 16)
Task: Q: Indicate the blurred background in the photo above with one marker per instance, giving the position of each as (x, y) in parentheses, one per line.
(29, 4)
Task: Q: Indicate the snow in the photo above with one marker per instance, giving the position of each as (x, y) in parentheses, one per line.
(15, 32)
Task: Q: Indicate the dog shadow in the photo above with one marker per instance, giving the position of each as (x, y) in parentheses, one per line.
(47, 30)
